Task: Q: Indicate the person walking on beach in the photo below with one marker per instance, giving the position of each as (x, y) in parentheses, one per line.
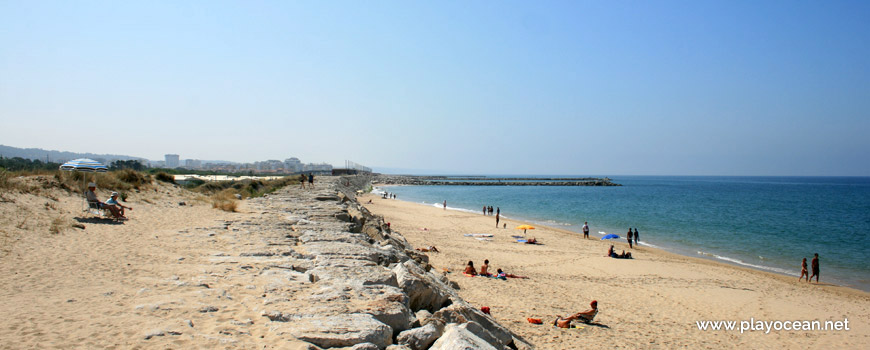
(496, 220)
(484, 210)
(445, 204)
(629, 238)
(804, 271)
(310, 180)
(302, 181)
(636, 236)
(586, 229)
(815, 265)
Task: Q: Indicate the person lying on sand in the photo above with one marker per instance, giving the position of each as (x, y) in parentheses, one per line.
(531, 241)
(613, 254)
(470, 270)
(585, 316)
(504, 276)
(430, 248)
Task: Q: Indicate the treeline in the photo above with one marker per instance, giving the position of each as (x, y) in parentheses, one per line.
(21, 164)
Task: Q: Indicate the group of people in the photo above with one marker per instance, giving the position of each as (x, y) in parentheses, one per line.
(113, 205)
(631, 235)
(310, 179)
(470, 271)
(388, 195)
(487, 210)
(815, 267)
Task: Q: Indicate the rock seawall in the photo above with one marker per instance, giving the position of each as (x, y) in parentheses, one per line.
(343, 278)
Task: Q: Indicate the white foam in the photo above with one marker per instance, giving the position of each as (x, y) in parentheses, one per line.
(760, 267)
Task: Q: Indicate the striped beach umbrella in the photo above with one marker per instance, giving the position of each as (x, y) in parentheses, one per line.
(84, 165)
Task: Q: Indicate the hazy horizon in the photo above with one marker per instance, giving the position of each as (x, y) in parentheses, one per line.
(634, 88)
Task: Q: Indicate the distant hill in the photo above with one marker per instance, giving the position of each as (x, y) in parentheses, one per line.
(60, 156)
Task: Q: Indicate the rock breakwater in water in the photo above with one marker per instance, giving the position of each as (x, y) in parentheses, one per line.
(490, 181)
(334, 275)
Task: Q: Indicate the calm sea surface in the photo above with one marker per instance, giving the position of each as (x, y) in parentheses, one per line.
(767, 223)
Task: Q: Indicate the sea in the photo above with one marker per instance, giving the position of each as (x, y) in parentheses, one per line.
(765, 223)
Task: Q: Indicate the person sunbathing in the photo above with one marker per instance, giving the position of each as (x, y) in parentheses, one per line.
(613, 254)
(484, 268)
(470, 270)
(585, 316)
(503, 275)
(430, 248)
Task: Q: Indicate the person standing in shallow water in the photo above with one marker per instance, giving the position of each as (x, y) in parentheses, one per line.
(445, 205)
(636, 236)
(629, 238)
(815, 265)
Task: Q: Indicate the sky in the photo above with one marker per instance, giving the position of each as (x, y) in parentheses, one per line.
(458, 87)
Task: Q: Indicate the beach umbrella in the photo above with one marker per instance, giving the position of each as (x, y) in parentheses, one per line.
(610, 236)
(84, 165)
(525, 227)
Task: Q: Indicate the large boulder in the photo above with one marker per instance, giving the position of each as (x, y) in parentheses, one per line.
(337, 331)
(421, 338)
(458, 338)
(424, 290)
(461, 312)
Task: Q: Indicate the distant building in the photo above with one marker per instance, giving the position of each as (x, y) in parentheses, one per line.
(293, 165)
(172, 161)
(192, 163)
(317, 167)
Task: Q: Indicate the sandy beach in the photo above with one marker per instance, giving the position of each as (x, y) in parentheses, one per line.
(651, 301)
(181, 274)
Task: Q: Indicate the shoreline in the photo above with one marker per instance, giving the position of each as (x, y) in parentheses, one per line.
(654, 299)
(687, 252)
(659, 250)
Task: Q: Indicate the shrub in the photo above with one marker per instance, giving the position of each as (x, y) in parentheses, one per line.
(57, 225)
(134, 178)
(225, 200)
(161, 176)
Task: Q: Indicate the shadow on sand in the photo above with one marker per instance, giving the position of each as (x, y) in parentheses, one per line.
(94, 220)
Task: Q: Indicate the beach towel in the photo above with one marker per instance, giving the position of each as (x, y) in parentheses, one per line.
(477, 235)
(516, 236)
(535, 320)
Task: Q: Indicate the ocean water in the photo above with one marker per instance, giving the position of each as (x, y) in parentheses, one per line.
(766, 223)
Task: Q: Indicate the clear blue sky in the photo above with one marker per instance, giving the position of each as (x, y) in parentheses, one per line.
(599, 87)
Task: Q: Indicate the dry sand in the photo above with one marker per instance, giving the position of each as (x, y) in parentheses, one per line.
(652, 301)
(110, 285)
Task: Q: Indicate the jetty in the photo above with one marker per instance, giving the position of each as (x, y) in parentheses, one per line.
(490, 181)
